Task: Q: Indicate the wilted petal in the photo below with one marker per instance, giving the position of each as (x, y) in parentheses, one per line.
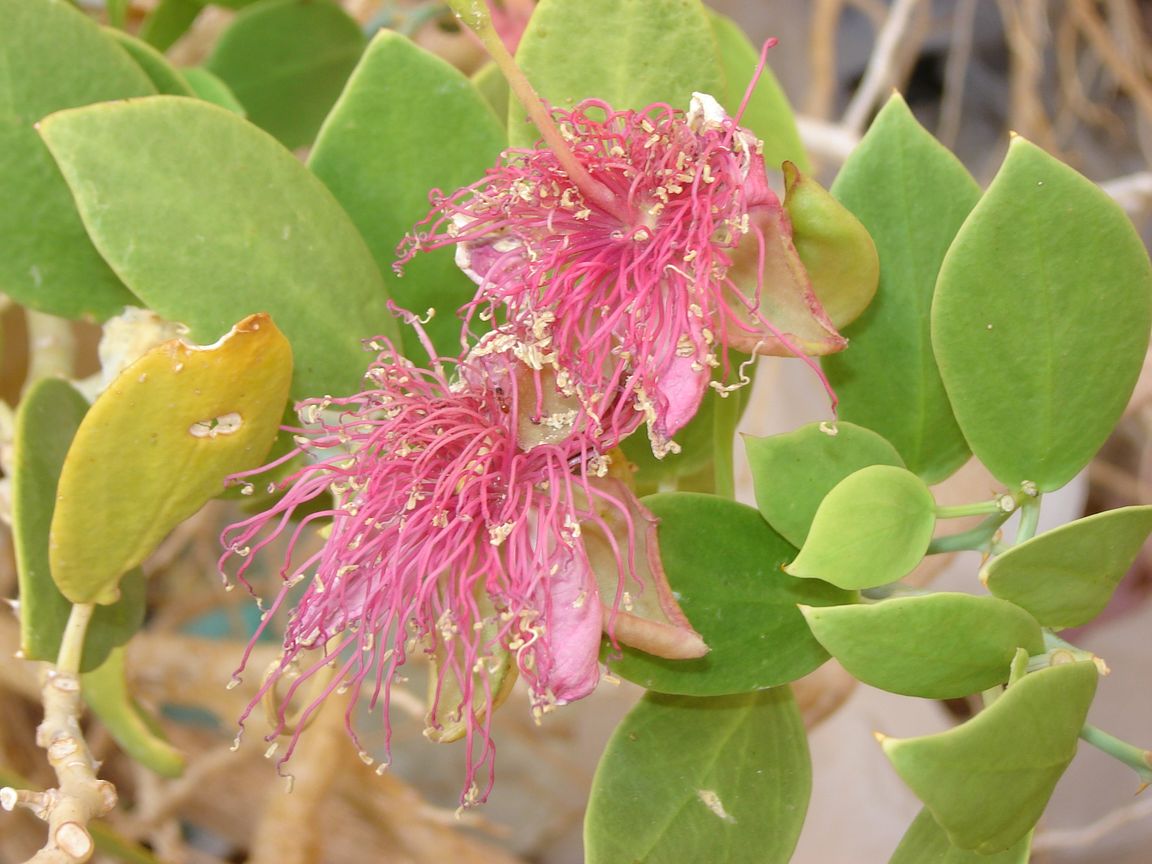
(640, 608)
(575, 622)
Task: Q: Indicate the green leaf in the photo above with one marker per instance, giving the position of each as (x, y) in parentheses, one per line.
(871, 529)
(152, 63)
(46, 422)
(938, 646)
(767, 113)
(286, 61)
(407, 123)
(168, 22)
(723, 563)
(792, 472)
(724, 780)
(1065, 577)
(912, 195)
(208, 87)
(1041, 319)
(211, 220)
(157, 444)
(926, 843)
(987, 782)
(630, 53)
(490, 83)
(105, 691)
(57, 58)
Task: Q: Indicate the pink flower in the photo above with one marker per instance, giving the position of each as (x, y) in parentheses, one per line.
(660, 245)
(474, 520)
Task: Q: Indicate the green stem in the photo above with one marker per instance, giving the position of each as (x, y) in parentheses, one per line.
(72, 644)
(1029, 519)
(974, 539)
(1135, 758)
(474, 14)
(980, 508)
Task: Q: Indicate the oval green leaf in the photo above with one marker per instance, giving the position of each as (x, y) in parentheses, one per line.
(46, 421)
(56, 58)
(286, 61)
(925, 842)
(793, 472)
(1065, 577)
(912, 195)
(1041, 319)
(169, 21)
(105, 691)
(630, 53)
(987, 782)
(210, 88)
(152, 63)
(723, 564)
(157, 445)
(407, 123)
(871, 529)
(938, 646)
(724, 780)
(768, 112)
(210, 220)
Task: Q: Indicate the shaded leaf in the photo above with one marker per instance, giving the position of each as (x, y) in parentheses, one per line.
(59, 59)
(1066, 576)
(157, 444)
(871, 529)
(630, 53)
(286, 61)
(723, 563)
(1041, 319)
(168, 22)
(792, 472)
(408, 123)
(724, 780)
(938, 646)
(152, 63)
(210, 220)
(490, 83)
(987, 782)
(912, 195)
(46, 421)
(211, 89)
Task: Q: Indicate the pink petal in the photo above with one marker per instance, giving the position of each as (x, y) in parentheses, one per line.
(575, 622)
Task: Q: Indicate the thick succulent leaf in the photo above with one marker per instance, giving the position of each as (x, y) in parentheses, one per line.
(46, 421)
(139, 736)
(57, 58)
(286, 61)
(408, 123)
(157, 444)
(1066, 576)
(723, 565)
(724, 780)
(490, 83)
(834, 247)
(767, 113)
(209, 220)
(871, 529)
(925, 842)
(1041, 319)
(792, 472)
(938, 646)
(168, 22)
(211, 89)
(912, 195)
(630, 53)
(987, 782)
(152, 63)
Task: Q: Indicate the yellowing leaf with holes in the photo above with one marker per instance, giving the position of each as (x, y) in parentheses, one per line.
(157, 445)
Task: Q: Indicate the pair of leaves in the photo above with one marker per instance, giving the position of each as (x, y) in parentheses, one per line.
(723, 779)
